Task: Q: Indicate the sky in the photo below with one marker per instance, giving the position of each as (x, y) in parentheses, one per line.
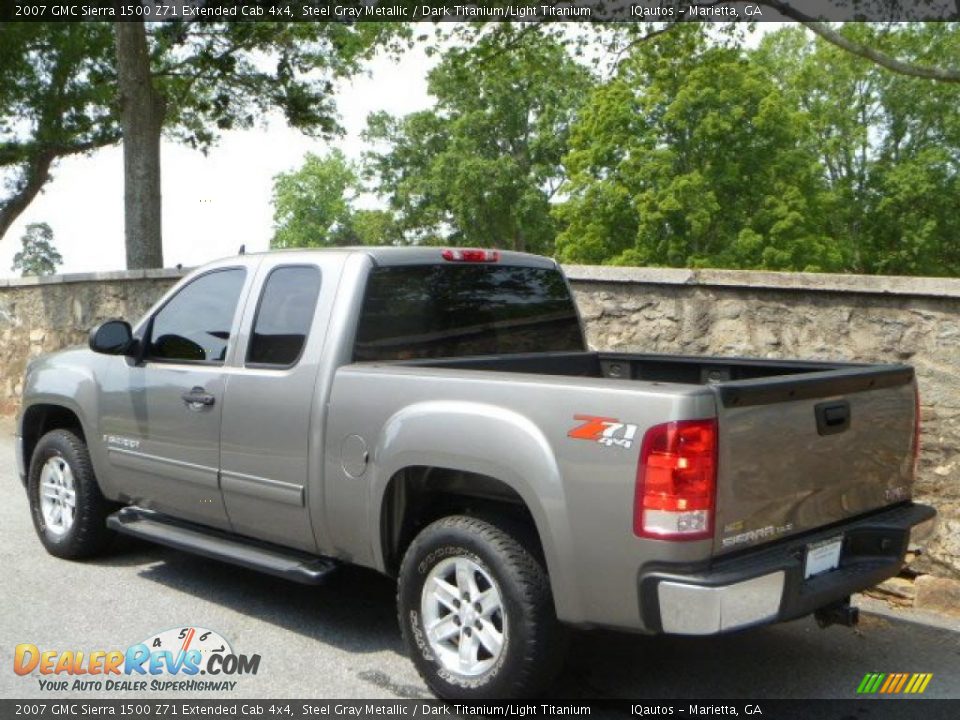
(212, 204)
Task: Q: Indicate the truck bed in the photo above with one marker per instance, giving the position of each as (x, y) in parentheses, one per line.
(693, 370)
(802, 445)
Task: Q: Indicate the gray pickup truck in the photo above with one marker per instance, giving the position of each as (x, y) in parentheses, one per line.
(436, 415)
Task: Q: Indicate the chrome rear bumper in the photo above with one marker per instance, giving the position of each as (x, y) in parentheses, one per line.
(698, 610)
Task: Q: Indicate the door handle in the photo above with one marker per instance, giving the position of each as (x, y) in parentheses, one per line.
(832, 417)
(198, 398)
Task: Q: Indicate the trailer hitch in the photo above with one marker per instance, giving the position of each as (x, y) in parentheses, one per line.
(839, 613)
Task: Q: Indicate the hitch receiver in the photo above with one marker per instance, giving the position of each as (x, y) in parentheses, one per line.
(839, 613)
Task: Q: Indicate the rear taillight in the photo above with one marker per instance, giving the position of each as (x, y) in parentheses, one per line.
(477, 256)
(677, 481)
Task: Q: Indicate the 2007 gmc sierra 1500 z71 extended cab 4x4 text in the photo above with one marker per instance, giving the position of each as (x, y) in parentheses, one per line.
(436, 415)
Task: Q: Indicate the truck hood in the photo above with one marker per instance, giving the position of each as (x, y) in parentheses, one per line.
(73, 356)
(68, 376)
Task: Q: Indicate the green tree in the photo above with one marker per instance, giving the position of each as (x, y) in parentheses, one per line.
(312, 205)
(692, 156)
(38, 255)
(374, 227)
(888, 144)
(55, 101)
(70, 88)
(936, 66)
(482, 166)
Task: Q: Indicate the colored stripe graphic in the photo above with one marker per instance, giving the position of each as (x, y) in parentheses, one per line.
(894, 683)
(870, 683)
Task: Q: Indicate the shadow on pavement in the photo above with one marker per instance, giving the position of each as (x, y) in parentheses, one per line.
(355, 611)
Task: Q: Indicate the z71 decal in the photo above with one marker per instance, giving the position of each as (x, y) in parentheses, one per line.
(608, 432)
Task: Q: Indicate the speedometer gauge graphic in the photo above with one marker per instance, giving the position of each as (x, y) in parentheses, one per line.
(183, 639)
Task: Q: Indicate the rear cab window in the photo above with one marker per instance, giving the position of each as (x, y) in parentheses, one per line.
(444, 311)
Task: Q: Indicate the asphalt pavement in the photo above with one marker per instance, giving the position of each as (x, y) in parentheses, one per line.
(341, 640)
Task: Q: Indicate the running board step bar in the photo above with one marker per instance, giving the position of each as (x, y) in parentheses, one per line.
(286, 563)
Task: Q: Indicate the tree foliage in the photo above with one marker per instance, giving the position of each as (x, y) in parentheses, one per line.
(55, 101)
(793, 156)
(38, 256)
(482, 166)
(696, 151)
(888, 145)
(927, 66)
(314, 206)
(692, 156)
(216, 77)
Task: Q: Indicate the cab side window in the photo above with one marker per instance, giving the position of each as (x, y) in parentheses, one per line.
(195, 324)
(284, 316)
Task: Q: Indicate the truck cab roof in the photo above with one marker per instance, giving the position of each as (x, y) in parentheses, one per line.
(419, 255)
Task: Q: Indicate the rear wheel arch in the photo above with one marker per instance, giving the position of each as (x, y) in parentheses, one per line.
(416, 496)
(499, 450)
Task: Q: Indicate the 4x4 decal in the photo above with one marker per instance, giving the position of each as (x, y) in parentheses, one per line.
(606, 431)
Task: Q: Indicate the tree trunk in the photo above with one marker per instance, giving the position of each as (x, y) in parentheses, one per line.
(141, 116)
(35, 176)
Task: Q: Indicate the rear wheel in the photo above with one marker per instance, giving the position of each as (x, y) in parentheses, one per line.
(476, 611)
(69, 511)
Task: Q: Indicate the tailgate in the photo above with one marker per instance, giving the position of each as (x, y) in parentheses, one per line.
(802, 451)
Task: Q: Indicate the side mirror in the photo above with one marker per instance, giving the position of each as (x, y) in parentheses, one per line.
(113, 337)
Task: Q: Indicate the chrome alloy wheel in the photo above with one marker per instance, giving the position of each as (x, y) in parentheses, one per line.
(463, 616)
(58, 495)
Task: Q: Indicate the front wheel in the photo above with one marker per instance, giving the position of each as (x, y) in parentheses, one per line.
(69, 511)
(477, 613)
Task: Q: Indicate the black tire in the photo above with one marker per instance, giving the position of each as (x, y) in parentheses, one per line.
(533, 641)
(87, 534)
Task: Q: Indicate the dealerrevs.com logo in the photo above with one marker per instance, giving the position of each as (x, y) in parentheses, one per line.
(179, 659)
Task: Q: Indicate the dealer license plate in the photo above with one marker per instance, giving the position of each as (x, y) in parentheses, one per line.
(822, 556)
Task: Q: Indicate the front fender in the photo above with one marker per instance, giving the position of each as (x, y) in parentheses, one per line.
(487, 440)
(67, 379)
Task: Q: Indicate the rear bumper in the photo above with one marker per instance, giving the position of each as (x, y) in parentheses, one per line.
(766, 585)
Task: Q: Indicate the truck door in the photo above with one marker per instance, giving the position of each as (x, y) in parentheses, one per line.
(160, 419)
(265, 439)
